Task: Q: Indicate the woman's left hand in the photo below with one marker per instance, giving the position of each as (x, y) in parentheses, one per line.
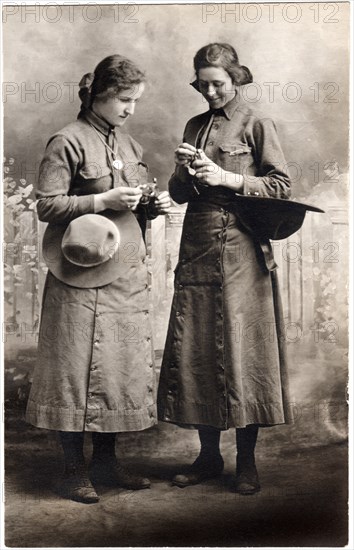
(208, 172)
(163, 203)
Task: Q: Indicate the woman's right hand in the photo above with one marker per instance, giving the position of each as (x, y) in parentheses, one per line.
(120, 198)
(184, 154)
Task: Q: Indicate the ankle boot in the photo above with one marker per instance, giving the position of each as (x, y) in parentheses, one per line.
(105, 469)
(247, 481)
(209, 463)
(74, 483)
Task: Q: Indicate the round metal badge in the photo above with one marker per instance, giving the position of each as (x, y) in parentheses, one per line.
(117, 164)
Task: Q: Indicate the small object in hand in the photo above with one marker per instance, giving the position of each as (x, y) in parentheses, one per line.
(197, 156)
(149, 192)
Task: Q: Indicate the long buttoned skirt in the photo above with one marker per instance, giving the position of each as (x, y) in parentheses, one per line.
(95, 367)
(224, 363)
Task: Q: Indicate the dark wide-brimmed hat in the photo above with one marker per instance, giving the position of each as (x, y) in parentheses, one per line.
(268, 218)
(92, 250)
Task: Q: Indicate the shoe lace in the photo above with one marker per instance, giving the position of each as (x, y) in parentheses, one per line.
(78, 472)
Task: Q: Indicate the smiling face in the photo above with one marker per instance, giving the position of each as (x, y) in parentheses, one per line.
(116, 109)
(216, 85)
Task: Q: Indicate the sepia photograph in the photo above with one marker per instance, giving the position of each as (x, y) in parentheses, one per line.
(176, 274)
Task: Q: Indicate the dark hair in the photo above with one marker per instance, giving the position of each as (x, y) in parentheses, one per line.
(112, 75)
(225, 56)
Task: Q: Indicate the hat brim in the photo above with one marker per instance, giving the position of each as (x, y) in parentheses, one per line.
(271, 218)
(286, 204)
(131, 249)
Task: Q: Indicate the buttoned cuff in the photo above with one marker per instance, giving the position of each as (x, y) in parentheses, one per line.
(181, 192)
(251, 186)
(151, 210)
(182, 173)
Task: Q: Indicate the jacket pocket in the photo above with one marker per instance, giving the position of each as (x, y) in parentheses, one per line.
(93, 178)
(94, 171)
(235, 157)
(233, 150)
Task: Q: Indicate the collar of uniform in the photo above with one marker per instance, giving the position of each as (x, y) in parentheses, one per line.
(230, 107)
(99, 123)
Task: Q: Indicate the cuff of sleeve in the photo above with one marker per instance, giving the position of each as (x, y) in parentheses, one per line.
(251, 186)
(181, 172)
(96, 204)
(151, 211)
(97, 207)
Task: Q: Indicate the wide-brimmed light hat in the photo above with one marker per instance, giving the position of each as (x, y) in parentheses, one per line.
(92, 250)
(90, 240)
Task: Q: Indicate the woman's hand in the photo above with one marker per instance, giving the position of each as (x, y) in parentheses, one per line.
(163, 203)
(210, 173)
(184, 154)
(120, 198)
(207, 171)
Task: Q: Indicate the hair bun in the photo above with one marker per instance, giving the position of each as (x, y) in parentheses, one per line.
(85, 85)
(247, 76)
(220, 54)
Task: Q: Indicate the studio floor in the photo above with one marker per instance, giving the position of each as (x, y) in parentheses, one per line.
(303, 501)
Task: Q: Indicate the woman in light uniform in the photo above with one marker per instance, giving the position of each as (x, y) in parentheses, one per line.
(97, 374)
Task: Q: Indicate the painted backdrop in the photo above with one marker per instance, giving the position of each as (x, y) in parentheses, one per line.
(298, 54)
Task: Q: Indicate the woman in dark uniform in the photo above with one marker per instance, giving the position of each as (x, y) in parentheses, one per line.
(224, 365)
(95, 369)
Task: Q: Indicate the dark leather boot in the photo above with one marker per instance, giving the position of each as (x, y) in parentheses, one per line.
(247, 481)
(203, 468)
(105, 469)
(108, 471)
(76, 485)
(209, 463)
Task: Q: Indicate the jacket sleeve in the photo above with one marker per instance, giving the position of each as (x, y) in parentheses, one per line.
(272, 178)
(147, 210)
(59, 165)
(181, 182)
(181, 185)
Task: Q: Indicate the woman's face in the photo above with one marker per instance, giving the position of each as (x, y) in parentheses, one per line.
(216, 85)
(116, 109)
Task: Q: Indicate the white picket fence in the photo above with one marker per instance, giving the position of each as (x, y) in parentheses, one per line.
(312, 271)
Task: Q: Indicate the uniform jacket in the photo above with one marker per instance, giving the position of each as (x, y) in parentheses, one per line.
(239, 141)
(77, 165)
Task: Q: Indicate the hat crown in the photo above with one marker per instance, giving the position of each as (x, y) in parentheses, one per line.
(90, 240)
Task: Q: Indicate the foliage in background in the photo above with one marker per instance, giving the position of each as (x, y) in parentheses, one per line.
(21, 258)
(21, 265)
